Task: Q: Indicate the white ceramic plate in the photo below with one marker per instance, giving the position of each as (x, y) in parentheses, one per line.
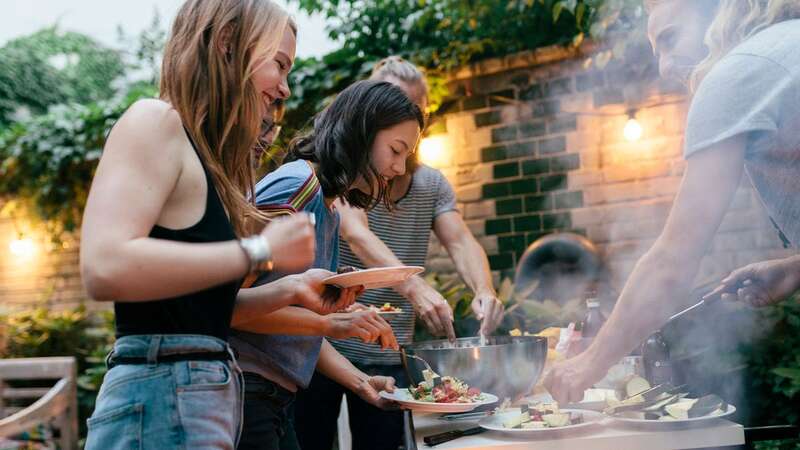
(495, 423)
(406, 401)
(672, 424)
(378, 277)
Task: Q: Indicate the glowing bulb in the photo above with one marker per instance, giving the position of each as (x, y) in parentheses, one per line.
(22, 248)
(433, 151)
(632, 130)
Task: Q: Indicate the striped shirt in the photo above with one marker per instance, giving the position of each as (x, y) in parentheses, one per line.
(406, 231)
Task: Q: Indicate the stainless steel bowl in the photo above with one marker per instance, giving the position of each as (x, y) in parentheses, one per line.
(507, 366)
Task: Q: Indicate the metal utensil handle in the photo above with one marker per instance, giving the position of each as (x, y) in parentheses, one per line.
(700, 304)
(404, 360)
(427, 366)
(448, 436)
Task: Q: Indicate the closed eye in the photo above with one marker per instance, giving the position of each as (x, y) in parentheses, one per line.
(666, 40)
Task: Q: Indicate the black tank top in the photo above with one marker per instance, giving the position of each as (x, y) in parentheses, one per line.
(207, 312)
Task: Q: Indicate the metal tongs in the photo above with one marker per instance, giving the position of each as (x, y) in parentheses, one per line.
(648, 397)
(697, 305)
(404, 359)
(705, 301)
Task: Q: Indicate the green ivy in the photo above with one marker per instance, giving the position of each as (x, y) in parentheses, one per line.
(48, 161)
(51, 67)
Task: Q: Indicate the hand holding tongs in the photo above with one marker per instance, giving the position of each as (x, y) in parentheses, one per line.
(710, 297)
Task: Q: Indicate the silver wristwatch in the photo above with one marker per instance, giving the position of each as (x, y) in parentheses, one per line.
(258, 251)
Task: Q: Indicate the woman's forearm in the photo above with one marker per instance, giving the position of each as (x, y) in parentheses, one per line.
(333, 365)
(657, 288)
(289, 320)
(261, 301)
(472, 265)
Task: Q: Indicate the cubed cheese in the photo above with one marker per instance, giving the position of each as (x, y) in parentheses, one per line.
(429, 375)
(680, 409)
(556, 420)
(512, 420)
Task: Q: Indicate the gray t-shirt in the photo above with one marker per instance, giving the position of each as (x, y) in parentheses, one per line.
(406, 231)
(755, 91)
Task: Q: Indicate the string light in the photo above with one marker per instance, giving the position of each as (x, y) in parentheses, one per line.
(433, 151)
(22, 247)
(633, 129)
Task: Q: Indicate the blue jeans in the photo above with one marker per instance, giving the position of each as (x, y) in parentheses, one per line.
(168, 405)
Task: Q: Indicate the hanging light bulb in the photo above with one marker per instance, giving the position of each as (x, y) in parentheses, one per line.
(433, 151)
(633, 129)
(22, 247)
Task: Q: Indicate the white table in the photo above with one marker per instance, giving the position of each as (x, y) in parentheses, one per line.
(608, 435)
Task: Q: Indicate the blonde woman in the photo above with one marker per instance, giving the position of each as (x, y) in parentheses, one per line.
(744, 117)
(165, 232)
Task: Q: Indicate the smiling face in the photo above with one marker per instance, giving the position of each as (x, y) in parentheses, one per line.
(389, 151)
(270, 78)
(676, 29)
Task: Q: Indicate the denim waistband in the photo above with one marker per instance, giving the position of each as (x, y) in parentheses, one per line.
(151, 347)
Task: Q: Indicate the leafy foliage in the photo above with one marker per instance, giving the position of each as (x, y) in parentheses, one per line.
(48, 161)
(438, 35)
(51, 67)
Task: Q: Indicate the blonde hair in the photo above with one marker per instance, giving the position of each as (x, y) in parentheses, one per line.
(401, 69)
(206, 76)
(735, 22)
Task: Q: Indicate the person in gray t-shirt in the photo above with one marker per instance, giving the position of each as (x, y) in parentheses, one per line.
(744, 118)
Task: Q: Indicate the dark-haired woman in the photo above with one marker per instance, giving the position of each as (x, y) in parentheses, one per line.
(358, 144)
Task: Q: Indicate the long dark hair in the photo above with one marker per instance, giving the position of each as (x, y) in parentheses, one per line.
(343, 136)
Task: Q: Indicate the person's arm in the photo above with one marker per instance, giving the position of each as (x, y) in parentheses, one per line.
(366, 325)
(306, 289)
(762, 283)
(473, 266)
(431, 307)
(336, 367)
(660, 282)
(141, 164)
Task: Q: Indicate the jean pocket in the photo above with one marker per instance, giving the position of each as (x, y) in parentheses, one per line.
(117, 429)
(207, 375)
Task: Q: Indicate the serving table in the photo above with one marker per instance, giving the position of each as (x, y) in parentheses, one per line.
(607, 435)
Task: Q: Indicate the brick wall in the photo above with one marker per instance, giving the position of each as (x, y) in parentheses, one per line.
(538, 148)
(50, 277)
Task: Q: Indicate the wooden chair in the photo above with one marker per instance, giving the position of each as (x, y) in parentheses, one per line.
(55, 405)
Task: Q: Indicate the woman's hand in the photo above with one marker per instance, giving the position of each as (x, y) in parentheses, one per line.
(310, 292)
(369, 390)
(365, 324)
(292, 242)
